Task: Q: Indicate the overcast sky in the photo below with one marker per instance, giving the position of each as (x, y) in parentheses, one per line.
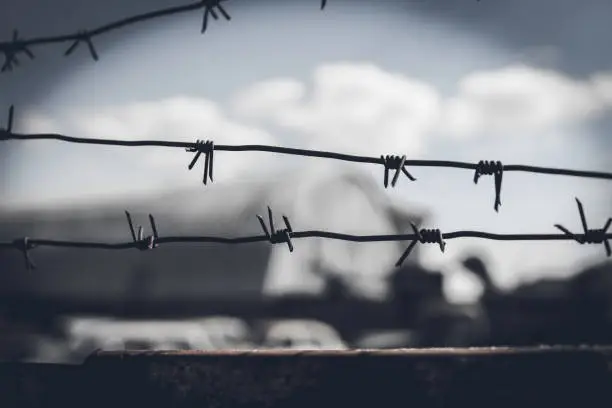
(522, 81)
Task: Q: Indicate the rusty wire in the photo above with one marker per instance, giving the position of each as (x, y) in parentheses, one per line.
(11, 49)
(390, 162)
(274, 236)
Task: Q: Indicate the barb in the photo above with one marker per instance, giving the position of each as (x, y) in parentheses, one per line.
(5, 132)
(424, 236)
(139, 240)
(398, 164)
(485, 167)
(323, 4)
(388, 162)
(590, 236)
(288, 234)
(209, 9)
(11, 48)
(274, 236)
(83, 36)
(208, 148)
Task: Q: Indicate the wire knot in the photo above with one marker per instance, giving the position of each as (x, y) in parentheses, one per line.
(11, 50)
(208, 148)
(423, 236)
(209, 8)
(277, 236)
(398, 164)
(141, 242)
(83, 36)
(496, 168)
(589, 236)
(24, 245)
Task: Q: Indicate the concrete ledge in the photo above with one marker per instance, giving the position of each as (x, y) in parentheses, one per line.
(479, 377)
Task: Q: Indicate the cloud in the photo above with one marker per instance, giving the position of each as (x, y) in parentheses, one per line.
(360, 107)
(522, 99)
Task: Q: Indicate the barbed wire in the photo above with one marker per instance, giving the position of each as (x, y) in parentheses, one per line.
(287, 234)
(394, 163)
(11, 49)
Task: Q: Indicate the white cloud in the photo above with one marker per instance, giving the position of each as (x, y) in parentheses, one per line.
(359, 107)
(521, 99)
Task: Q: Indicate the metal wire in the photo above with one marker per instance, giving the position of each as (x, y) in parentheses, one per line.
(423, 236)
(11, 49)
(16, 46)
(389, 162)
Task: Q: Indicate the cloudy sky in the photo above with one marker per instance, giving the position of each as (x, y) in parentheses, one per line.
(521, 81)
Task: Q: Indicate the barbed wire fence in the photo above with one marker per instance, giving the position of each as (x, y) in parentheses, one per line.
(285, 236)
(16, 46)
(396, 163)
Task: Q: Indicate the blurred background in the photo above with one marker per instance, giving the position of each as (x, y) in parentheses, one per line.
(524, 82)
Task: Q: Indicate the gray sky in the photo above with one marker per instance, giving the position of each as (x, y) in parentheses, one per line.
(522, 81)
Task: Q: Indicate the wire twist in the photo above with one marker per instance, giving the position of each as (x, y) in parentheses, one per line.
(589, 236)
(209, 9)
(83, 36)
(496, 168)
(398, 164)
(423, 236)
(277, 236)
(12, 49)
(142, 243)
(208, 148)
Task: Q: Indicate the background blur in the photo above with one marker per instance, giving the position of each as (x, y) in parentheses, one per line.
(525, 81)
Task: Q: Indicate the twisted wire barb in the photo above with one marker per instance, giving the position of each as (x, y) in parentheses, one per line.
(139, 240)
(10, 49)
(274, 236)
(590, 236)
(389, 162)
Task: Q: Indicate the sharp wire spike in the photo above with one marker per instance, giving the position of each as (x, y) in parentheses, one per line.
(271, 220)
(129, 218)
(398, 170)
(263, 226)
(11, 115)
(153, 226)
(194, 160)
(72, 47)
(583, 220)
(210, 164)
(224, 12)
(205, 21)
(92, 49)
(288, 225)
